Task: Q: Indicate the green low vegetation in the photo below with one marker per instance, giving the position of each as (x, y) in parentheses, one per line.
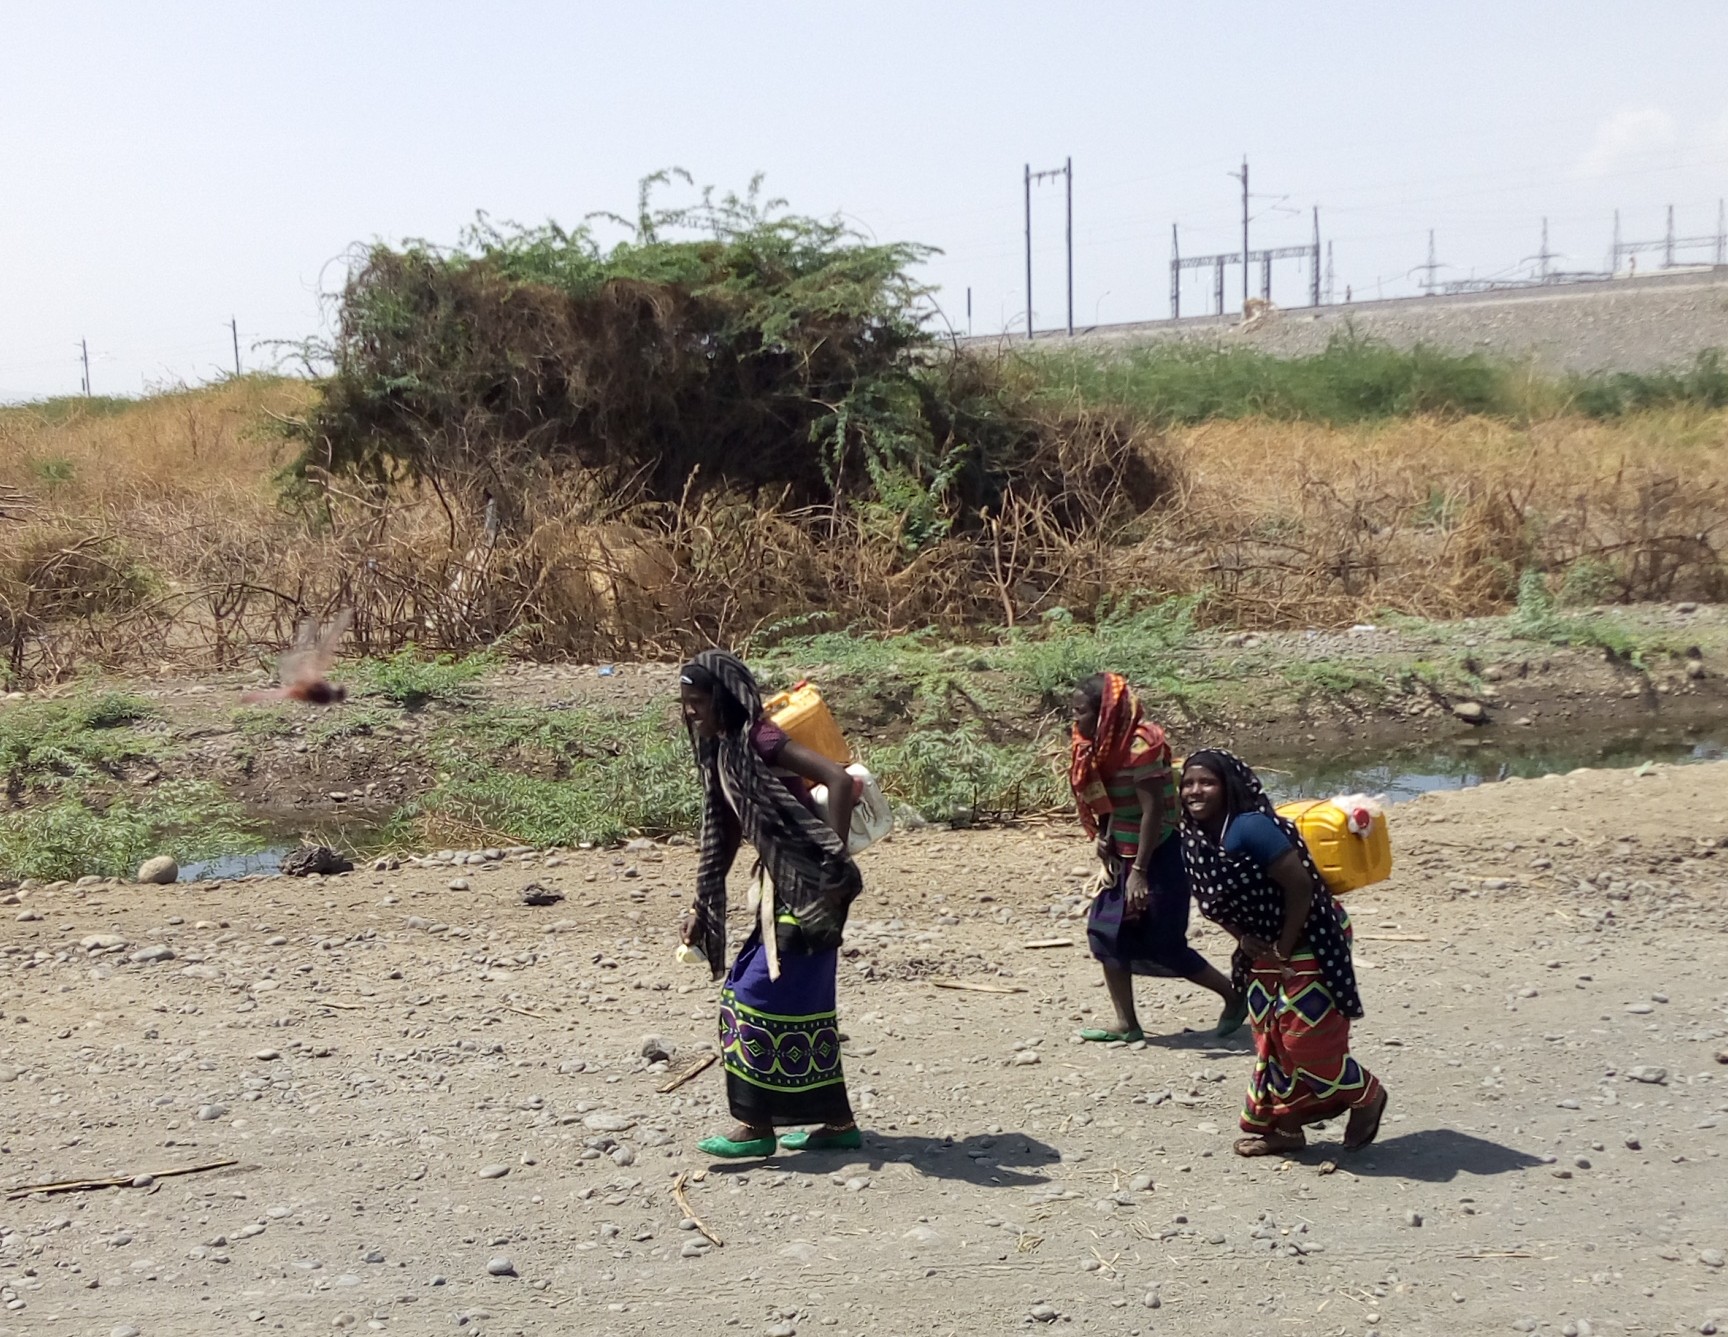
(1015, 675)
(960, 777)
(549, 777)
(66, 817)
(411, 680)
(567, 776)
(59, 744)
(1354, 380)
(1538, 618)
(1703, 385)
(75, 835)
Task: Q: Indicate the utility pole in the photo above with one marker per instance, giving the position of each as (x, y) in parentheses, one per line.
(968, 312)
(1542, 257)
(1429, 268)
(1175, 274)
(84, 348)
(1243, 175)
(1668, 246)
(1028, 250)
(1721, 234)
(1614, 255)
(1068, 175)
(234, 328)
(1066, 171)
(1314, 269)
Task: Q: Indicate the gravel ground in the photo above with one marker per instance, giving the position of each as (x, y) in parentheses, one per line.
(1625, 325)
(441, 1117)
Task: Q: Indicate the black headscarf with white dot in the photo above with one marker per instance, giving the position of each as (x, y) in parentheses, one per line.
(1234, 891)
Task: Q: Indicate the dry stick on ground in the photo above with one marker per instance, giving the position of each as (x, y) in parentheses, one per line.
(977, 987)
(690, 1212)
(701, 1065)
(1391, 937)
(1040, 943)
(115, 1181)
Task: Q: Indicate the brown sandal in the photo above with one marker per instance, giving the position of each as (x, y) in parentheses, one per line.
(1369, 1129)
(1271, 1144)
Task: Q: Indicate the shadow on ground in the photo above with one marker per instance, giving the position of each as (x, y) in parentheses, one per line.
(1006, 1160)
(1434, 1156)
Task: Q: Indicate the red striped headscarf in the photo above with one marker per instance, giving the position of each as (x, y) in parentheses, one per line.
(1123, 738)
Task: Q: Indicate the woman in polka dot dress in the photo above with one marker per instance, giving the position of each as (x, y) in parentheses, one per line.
(1253, 876)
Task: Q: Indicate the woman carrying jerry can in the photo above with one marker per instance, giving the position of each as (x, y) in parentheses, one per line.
(791, 802)
(1253, 875)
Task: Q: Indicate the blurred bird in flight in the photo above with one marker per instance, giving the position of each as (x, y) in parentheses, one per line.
(304, 667)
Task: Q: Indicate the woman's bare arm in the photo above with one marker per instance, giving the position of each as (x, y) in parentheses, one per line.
(1297, 884)
(820, 770)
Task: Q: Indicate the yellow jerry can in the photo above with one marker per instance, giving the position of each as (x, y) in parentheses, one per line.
(805, 717)
(1348, 838)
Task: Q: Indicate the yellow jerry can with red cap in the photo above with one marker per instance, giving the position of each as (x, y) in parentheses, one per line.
(805, 717)
(1349, 839)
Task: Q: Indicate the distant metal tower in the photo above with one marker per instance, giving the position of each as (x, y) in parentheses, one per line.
(1428, 270)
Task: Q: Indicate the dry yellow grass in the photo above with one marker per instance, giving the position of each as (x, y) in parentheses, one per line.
(152, 533)
(1299, 522)
(186, 443)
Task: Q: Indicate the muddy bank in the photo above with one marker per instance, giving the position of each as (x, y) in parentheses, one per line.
(1342, 696)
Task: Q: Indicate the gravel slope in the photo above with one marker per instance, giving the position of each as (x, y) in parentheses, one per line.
(1625, 325)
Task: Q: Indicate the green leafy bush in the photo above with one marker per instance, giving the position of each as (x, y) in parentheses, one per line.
(725, 339)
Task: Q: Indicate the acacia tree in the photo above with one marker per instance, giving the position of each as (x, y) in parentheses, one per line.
(726, 340)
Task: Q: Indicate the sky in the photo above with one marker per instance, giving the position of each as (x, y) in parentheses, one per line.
(166, 167)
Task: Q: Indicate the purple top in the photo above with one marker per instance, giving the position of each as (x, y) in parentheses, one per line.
(770, 740)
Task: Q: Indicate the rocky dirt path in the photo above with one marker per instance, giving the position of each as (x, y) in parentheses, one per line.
(441, 1118)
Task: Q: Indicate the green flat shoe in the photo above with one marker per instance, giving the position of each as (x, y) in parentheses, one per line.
(727, 1149)
(1230, 1020)
(801, 1140)
(1104, 1037)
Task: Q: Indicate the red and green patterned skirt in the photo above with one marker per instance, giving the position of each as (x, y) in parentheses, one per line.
(1303, 1071)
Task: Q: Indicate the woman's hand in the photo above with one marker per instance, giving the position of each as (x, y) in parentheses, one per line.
(1105, 849)
(1257, 948)
(1137, 895)
(687, 928)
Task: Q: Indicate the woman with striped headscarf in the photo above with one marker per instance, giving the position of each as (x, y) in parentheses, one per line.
(1120, 771)
(1253, 876)
(778, 1035)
